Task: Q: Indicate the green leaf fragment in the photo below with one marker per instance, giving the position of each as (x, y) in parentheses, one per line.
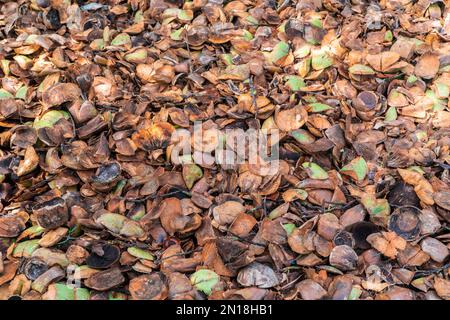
(321, 61)
(417, 169)
(421, 135)
(314, 171)
(119, 187)
(278, 211)
(282, 27)
(312, 41)
(112, 221)
(303, 51)
(205, 280)
(444, 69)
(22, 60)
(309, 99)
(418, 282)
(330, 269)
(120, 224)
(377, 209)
(186, 159)
(304, 66)
(295, 194)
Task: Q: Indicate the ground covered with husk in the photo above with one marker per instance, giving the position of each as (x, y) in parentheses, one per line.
(94, 206)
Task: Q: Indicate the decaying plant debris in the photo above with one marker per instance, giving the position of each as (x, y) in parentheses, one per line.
(93, 207)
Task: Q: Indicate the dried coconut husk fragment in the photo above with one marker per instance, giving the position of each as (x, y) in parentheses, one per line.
(403, 194)
(52, 237)
(352, 215)
(243, 225)
(328, 225)
(29, 163)
(105, 280)
(360, 231)
(51, 256)
(344, 238)
(155, 137)
(412, 255)
(442, 287)
(76, 254)
(174, 220)
(173, 260)
(273, 231)
(385, 61)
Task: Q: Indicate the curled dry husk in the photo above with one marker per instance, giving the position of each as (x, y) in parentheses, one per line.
(104, 183)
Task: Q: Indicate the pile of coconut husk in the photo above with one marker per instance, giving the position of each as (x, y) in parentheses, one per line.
(95, 204)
